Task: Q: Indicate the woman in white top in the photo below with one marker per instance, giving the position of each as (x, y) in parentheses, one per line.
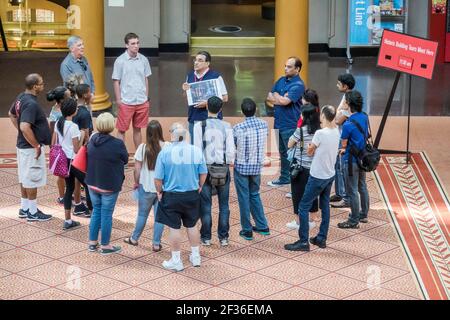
(145, 162)
(69, 137)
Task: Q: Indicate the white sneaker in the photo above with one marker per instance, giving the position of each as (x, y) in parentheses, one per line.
(293, 225)
(206, 243)
(171, 265)
(224, 242)
(289, 195)
(195, 260)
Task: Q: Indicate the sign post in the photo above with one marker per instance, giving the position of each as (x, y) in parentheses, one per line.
(410, 55)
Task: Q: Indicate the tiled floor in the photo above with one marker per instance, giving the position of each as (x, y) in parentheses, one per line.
(40, 261)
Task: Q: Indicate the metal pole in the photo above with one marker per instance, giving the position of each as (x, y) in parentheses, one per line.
(386, 111)
(409, 121)
(2, 32)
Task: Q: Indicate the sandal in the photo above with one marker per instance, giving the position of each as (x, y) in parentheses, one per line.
(128, 241)
(157, 248)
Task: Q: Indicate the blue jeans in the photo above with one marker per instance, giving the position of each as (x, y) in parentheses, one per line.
(223, 228)
(339, 183)
(101, 219)
(247, 189)
(315, 188)
(147, 200)
(283, 140)
(357, 184)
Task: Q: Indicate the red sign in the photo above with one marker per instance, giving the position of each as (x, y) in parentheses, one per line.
(408, 54)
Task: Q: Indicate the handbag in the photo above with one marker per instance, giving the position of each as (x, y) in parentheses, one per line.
(296, 168)
(58, 160)
(80, 160)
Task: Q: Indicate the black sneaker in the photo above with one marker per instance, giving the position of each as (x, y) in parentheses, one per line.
(60, 201)
(247, 235)
(80, 210)
(335, 198)
(297, 246)
(23, 214)
(348, 225)
(39, 216)
(93, 247)
(277, 183)
(107, 252)
(320, 244)
(264, 232)
(72, 225)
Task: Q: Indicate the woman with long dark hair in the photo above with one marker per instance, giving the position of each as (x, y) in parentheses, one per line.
(57, 95)
(71, 139)
(301, 139)
(145, 162)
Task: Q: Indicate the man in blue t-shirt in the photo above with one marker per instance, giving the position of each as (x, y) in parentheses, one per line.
(354, 177)
(203, 72)
(286, 97)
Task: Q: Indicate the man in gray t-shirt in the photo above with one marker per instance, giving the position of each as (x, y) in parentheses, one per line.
(131, 87)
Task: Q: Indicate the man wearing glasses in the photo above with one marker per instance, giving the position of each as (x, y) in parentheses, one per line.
(76, 63)
(33, 134)
(202, 72)
(286, 97)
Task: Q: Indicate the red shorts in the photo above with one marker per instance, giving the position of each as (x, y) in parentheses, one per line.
(138, 113)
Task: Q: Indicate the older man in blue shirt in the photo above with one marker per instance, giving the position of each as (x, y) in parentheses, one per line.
(180, 173)
(76, 63)
(286, 97)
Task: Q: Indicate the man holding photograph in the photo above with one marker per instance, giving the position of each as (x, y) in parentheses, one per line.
(202, 72)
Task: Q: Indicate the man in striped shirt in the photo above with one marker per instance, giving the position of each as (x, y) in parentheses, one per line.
(250, 138)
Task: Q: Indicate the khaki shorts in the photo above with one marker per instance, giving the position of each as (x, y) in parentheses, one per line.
(32, 172)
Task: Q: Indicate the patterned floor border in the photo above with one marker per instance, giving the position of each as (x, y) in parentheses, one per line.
(420, 211)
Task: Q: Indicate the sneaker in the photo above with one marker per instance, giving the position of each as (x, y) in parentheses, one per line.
(93, 247)
(107, 252)
(341, 204)
(277, 183)
(39, 216)
(335, 198)
(247, 235)
(206, 243)
(23, 214)
(171, 265)
(297, 246)
(289, 195)
(320, 244)
(60, 201)
(348, 225)
(80, 210)
(264, 232)
(72, 225)
(195, 260)
(364, 220)
(224, 242)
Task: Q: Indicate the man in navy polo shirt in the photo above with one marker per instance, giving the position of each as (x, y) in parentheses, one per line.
(202, 72)
(286, 97)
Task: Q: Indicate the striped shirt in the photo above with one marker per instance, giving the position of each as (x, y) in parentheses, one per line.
(250, 138)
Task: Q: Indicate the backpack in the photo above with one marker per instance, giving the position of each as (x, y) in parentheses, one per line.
(217, 173)
(58, 160)
(369, 157)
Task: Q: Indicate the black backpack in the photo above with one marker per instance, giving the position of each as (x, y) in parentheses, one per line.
(369, 157)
